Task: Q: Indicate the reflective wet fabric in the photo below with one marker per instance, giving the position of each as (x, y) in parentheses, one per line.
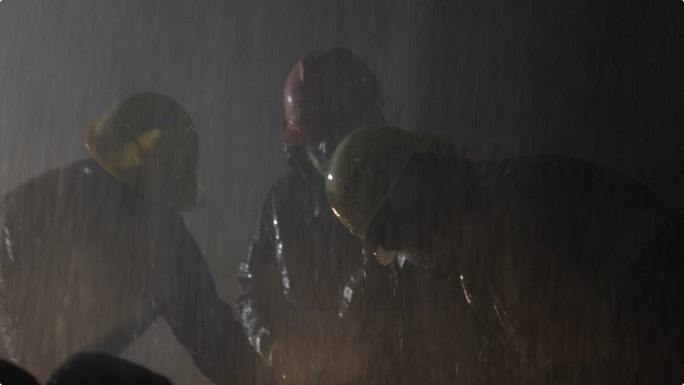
(302, 271)
(88, 264)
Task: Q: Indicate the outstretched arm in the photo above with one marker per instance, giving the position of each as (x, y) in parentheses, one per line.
(201, 321)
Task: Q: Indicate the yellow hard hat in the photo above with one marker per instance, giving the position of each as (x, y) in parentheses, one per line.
(150, 142)
(366, 167)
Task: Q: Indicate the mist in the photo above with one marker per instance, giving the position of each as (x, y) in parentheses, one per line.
(601, 81)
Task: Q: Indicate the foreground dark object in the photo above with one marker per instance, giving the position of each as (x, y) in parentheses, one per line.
(103, 369)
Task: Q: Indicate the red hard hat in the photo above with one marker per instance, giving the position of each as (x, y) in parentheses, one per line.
(328, 84)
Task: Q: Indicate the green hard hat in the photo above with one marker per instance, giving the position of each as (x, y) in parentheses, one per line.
(366, 167)
(150, 142)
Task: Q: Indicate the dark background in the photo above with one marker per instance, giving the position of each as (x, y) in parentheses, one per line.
(601, 80)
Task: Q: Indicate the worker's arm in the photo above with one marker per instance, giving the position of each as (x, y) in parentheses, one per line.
(201, 321)
(262, 295)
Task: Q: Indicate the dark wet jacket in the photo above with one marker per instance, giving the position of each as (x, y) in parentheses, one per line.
(88, 263)
(302, 270)
(573, 270)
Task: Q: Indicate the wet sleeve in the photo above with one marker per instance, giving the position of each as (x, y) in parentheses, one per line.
(259, 283)
(201, 321)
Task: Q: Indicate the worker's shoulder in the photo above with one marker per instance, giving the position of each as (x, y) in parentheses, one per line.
(297, 180)
(55, 178)
(293, 187)
(579, 184)
(83, 189)
(50, 185)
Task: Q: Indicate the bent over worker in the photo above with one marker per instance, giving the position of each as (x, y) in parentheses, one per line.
(572, 270)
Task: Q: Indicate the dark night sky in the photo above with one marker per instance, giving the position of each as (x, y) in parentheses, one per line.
(603, 82)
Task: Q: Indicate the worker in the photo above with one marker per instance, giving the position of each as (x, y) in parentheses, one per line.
(573, 270)
(303, 268)
(93, 252)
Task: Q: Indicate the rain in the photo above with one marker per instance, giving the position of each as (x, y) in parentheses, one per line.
(600, 81)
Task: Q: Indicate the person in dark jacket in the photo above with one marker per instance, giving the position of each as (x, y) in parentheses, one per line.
(572, 268)
(303, 267)
(93, 252)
